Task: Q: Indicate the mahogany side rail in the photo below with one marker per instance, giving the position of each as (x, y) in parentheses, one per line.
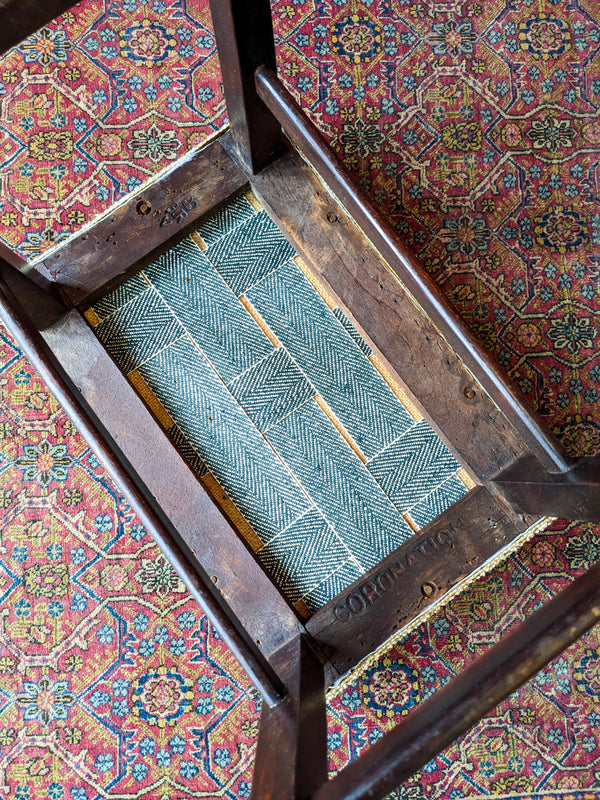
(522, 471)
(572, 494)
(37, 351)
(311, 143)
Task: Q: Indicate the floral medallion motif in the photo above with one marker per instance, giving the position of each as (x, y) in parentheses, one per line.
(44, 462)
(572, 333)
(155, 144)
(148, 43)
(453, 37)
(463, 136)
(560, 230)
(466, 234)
(545, 37)
(356, 39)
(50, 145)
(360, 138)
(394, 691)
(92, 671)
(584, 551)
(162, 696)
(46, 46)
(157, 576)
(551, 134)
(580, 434)
(46, 700)
(47, 580)
(587, 674)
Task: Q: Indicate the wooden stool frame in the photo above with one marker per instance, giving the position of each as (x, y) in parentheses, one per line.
(522, 473)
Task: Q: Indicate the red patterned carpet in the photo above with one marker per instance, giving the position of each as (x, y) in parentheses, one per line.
(474, 126)
(112, 682)
(96, 104)
(476, 129)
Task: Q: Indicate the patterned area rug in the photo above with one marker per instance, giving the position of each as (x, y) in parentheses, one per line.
(94, 105)
(112, 684)
(476, 126)
(111, 681)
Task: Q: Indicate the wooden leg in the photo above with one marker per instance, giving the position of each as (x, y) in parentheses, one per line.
(574, 494)
(244, 33)
(291, 758)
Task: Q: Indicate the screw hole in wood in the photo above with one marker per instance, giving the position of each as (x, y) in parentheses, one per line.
(143, 207)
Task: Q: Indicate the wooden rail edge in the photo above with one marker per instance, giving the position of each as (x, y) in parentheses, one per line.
(175, 549)
(456, 707)
(306, 137)
(415, 576)
(343, 265)
(574, 494)
(151, 221)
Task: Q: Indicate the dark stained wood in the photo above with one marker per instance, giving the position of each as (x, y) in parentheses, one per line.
(403, 265)
(243, 584)
(41, 298)
(456, 707)
(32, 276)
(11, 257)
(244, 34)
(311, 750)
(143, 502)
(148, 224)
(574, 494)
(20, 18)
(418, 573)
(291, 755)
(418, 357)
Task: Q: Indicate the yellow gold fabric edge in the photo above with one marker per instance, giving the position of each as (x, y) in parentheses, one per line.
(150, 399)
(231, 511)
